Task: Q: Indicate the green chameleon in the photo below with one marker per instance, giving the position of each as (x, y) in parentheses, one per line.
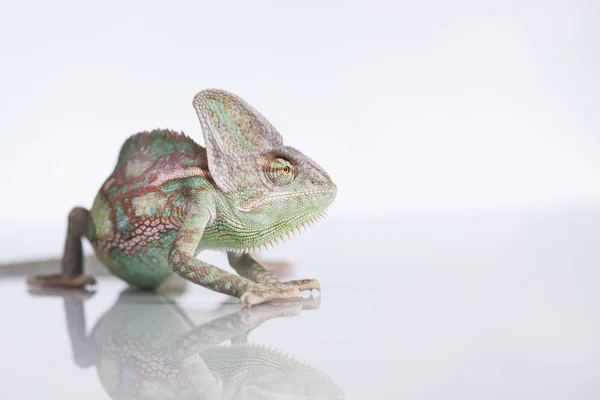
(169, 197)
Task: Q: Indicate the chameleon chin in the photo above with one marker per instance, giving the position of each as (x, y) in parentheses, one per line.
(168, 198)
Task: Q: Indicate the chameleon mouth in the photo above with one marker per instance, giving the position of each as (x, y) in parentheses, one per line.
(293, 232)
(249, 206)
(292, 194)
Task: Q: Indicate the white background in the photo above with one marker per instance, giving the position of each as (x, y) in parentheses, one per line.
(412, 106)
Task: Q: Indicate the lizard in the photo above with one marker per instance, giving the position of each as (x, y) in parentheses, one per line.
(168, 198)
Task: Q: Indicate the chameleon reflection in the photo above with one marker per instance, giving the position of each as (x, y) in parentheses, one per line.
(155, 351)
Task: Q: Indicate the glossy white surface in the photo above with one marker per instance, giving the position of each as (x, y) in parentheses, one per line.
(423, 307)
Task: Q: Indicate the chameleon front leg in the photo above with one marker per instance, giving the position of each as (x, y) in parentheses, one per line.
(248, 267)
(71, 275)
(183, 262)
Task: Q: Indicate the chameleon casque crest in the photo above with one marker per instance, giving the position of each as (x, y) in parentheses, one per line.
(168, 198)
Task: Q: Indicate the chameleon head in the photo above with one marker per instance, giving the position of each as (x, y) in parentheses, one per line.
(273, 186)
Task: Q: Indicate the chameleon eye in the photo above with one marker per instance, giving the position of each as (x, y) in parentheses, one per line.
(280, 171)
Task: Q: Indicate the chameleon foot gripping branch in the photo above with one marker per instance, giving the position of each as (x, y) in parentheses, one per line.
(168, 198)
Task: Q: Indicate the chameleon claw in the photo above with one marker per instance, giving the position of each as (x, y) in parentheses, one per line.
(250, 299)
(304, 284)
(62, 281)
(264, 294)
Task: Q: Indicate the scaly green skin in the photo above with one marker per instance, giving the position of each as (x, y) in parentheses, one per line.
(169, 197)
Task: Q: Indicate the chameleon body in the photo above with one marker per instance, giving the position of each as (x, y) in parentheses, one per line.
(168, 198)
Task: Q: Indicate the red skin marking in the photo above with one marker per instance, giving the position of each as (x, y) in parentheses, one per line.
(161, 170)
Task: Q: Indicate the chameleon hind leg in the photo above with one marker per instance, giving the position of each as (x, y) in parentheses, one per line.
(248, 267)
(71, 275)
